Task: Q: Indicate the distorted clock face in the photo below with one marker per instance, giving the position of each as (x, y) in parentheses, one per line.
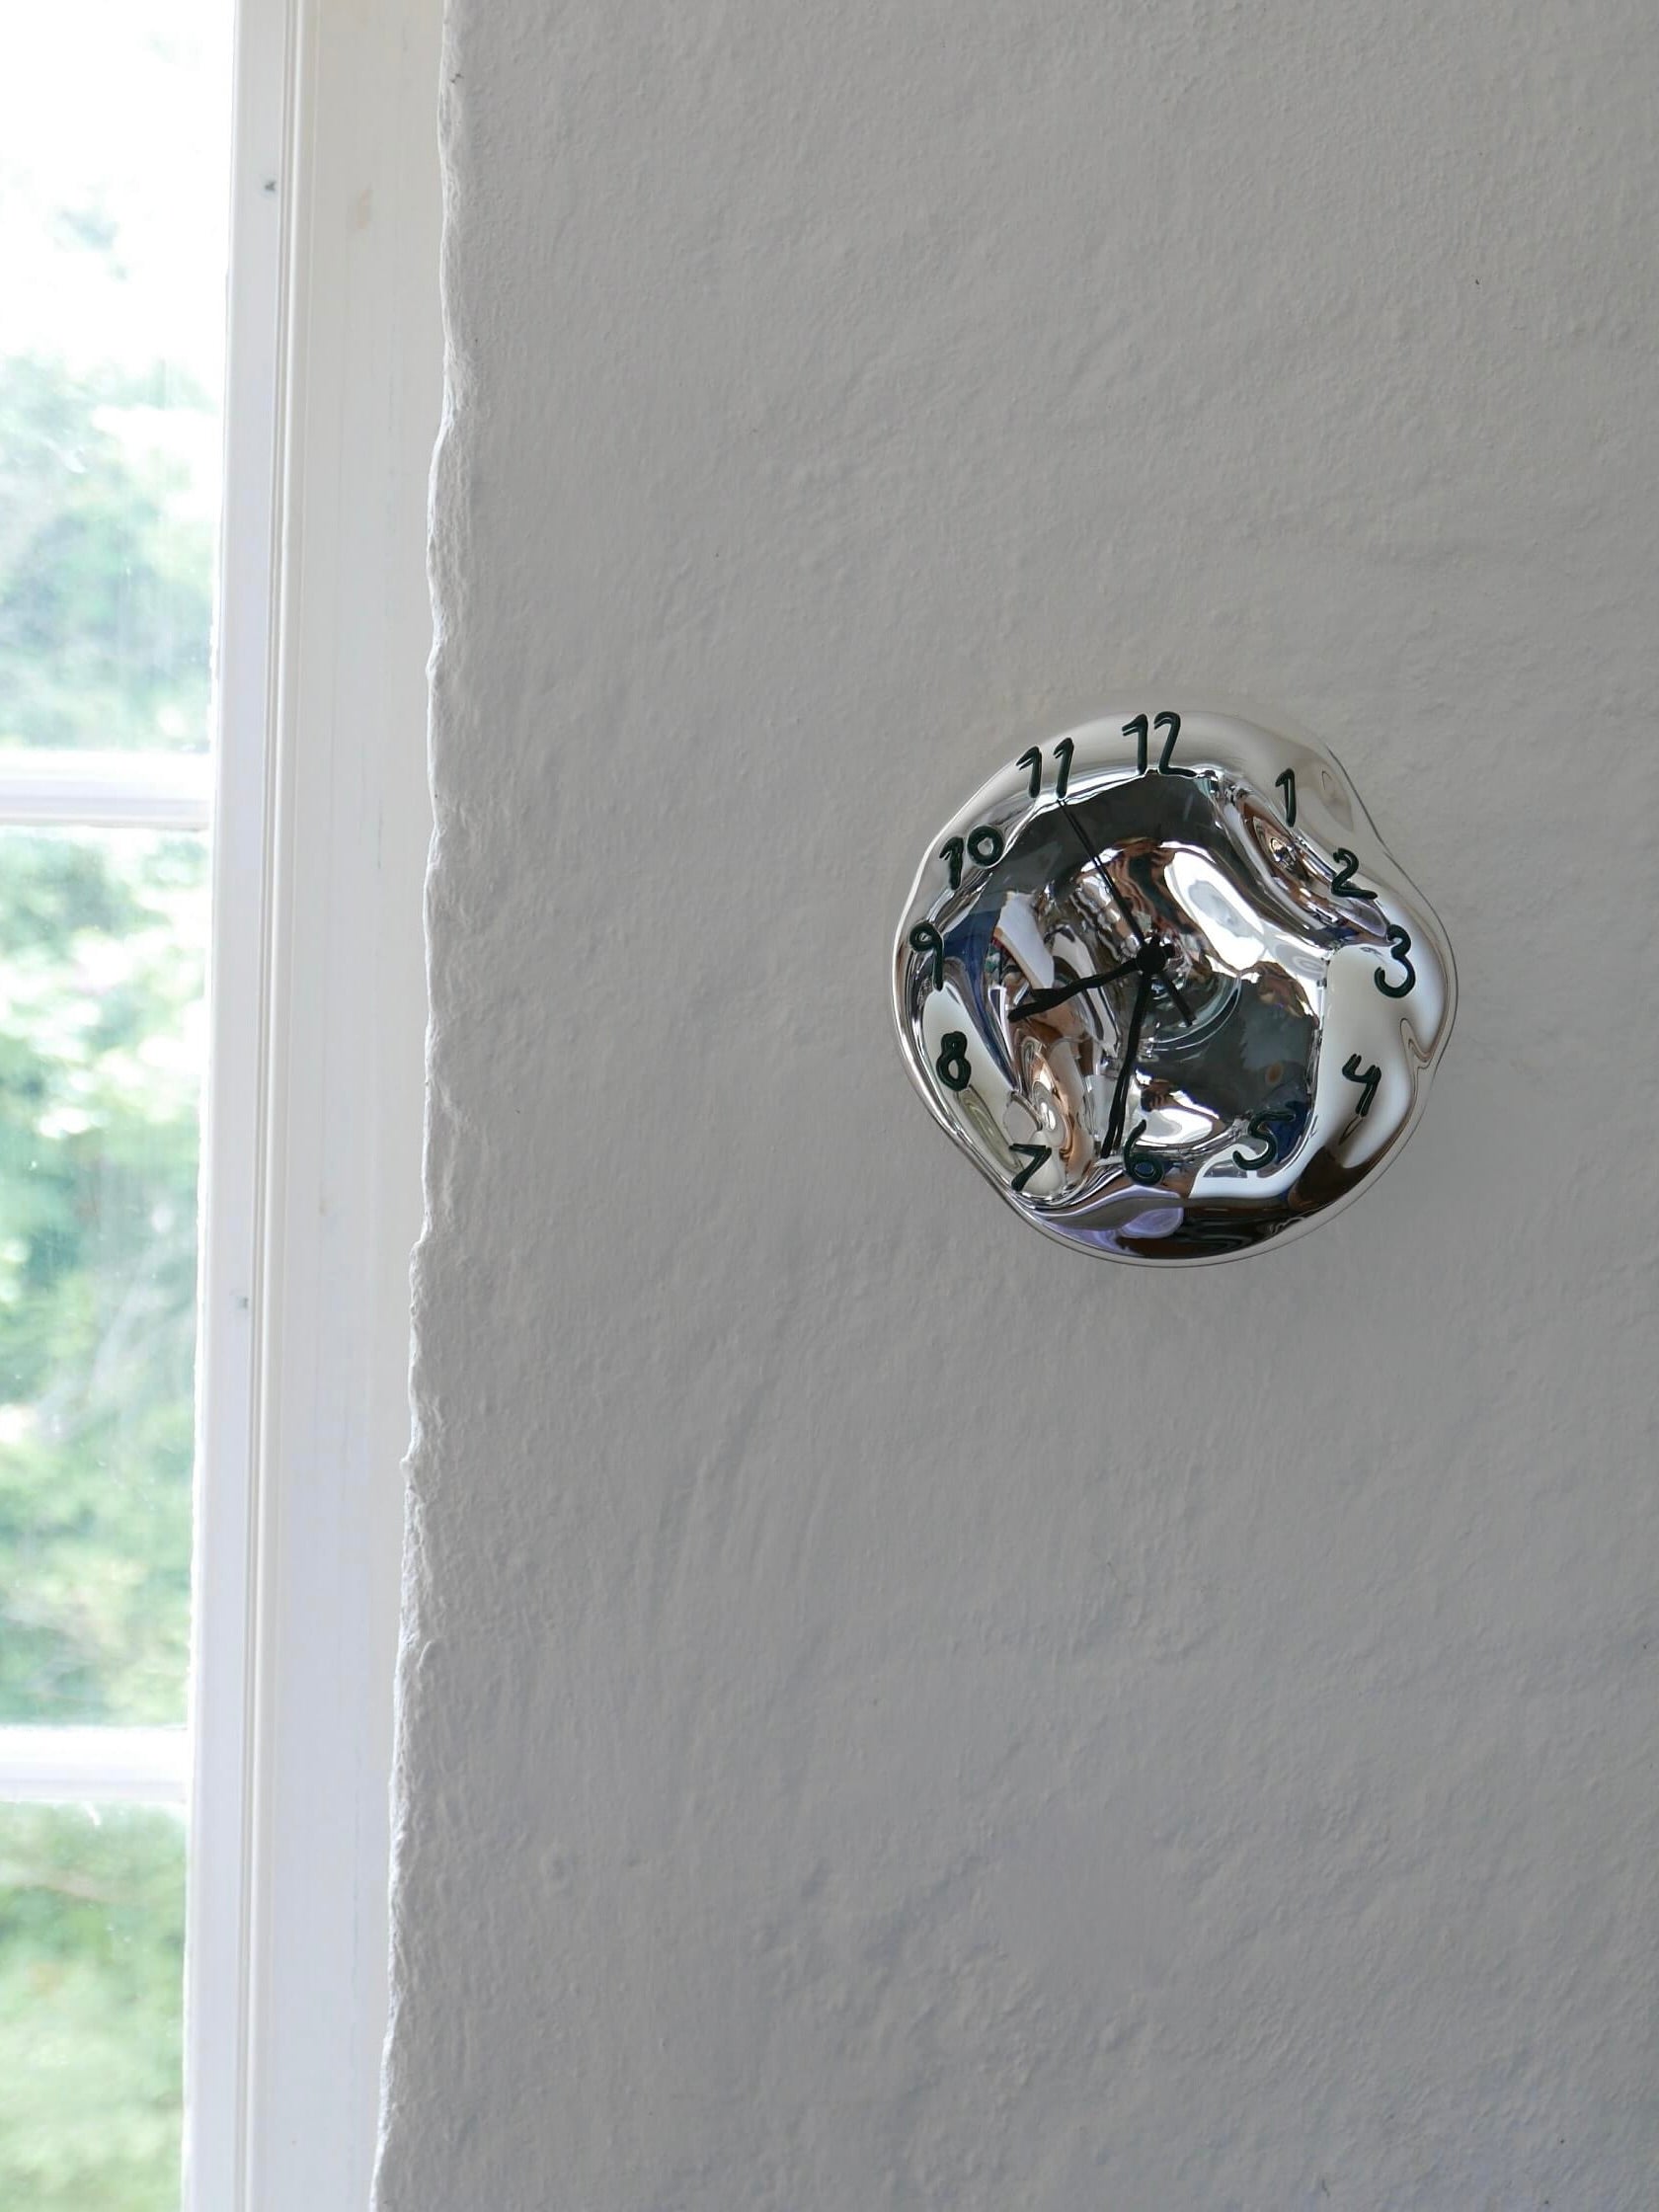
(1164, 983)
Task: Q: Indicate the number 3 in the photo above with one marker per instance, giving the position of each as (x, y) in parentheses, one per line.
(1399, 944)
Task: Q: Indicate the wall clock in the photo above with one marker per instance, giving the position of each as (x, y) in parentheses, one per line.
(1163, 984)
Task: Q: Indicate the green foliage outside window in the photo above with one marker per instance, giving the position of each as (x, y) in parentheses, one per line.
(100, 981)
(91, 1957)
(114, 191)
(105, 567)
(105, 583)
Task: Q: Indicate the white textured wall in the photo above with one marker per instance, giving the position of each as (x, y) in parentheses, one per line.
(893, 1714)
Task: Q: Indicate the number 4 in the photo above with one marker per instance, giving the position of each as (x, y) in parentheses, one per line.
(1368, 1079)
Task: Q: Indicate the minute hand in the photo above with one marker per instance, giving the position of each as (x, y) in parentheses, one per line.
(1126, 1074)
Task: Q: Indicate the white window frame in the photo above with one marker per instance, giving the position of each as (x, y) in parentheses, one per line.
(313, 1123)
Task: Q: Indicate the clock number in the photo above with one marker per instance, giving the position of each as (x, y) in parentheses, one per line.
(925, 938)
(1368, 1079)
(1033, 760)
(1343, 885)
(1286, 784)
(1035, 1155)
(952, 1063)
(1263, 1131)
(1139, 730)
(1141, 1166)
(984, 849)
(1399, 944)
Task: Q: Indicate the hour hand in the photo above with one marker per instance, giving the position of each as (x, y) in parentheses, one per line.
(1040, 1001)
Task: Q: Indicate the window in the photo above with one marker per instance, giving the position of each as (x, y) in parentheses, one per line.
(244, 1702)
(114, 122)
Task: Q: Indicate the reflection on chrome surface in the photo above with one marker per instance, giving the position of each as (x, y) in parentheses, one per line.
(1165, 983)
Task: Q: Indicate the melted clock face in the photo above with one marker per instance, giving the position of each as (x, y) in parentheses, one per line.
(1163, 984)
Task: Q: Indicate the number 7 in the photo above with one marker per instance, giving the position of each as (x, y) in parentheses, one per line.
(1036, 1154)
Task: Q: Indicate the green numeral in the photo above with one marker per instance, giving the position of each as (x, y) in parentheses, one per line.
(1036, 1154)
(1368, 1079)
(1399, 944)
(952, 1065)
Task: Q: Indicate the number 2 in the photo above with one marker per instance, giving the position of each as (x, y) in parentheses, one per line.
(1343, 885)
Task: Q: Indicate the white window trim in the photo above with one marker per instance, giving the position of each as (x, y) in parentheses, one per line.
(105, 790)
(93, 1766)
(313, 1123)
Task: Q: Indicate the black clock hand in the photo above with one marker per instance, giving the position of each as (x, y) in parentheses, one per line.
(1154, 959)
(1117, 900)
(1132, 1047)
(1040, 1001)
(1076, 830)
(1181, 1006)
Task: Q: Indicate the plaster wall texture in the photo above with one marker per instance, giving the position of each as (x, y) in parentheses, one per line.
(893, 1714)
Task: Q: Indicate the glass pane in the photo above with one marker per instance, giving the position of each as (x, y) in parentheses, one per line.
(114, 168)
(101, 940)
(91, 1944)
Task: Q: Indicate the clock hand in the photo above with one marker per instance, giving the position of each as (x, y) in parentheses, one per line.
(1185, 1011)
(1132, 1047)
(1040, 1001)
(1154, 959)
(1076, 830)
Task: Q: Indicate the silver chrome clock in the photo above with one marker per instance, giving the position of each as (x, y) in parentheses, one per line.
(1162, 981)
